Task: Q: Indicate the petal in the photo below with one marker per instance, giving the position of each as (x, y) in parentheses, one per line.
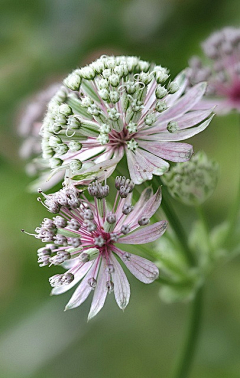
(121, 285)
(173, 151)
(100, 292)
(178, 135)
(77, 277)
(185, 121)
(142, 165)
(184, 104)
(83, 290)
(147, 208)
(143, 269)
(146, 234)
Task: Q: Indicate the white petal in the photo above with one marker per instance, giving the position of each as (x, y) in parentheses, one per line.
(100, 292)
(121, 285)
(146, 234)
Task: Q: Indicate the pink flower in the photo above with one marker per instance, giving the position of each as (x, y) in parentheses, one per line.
(120, 106)
(222, 72)
(84, 236)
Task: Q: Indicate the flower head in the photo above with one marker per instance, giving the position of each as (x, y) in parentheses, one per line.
(222, 49)
(122, 105)
(83, 238)
(194, 181)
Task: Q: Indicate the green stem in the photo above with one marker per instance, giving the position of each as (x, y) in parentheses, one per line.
(186, 357)
(174, 221)
(202, 218)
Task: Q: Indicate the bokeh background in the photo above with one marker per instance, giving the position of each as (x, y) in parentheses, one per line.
(40, 42)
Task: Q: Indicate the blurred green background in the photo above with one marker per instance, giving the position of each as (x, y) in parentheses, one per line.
(41, 41)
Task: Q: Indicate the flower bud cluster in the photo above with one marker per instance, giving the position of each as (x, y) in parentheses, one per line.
(102, 99)
(192, 182)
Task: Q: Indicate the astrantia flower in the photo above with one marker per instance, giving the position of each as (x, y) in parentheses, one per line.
(222, 72)
(122, 105)
(84, 235)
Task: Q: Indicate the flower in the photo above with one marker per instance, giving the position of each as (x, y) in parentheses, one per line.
(120, 106)
(83, 238)
(29, 128)
(194, 181)
(222, 72)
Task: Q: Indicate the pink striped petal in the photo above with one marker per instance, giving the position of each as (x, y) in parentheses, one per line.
(143, 269)
(142, 165)
(83, 290)
(145, 196)
(145, 235)
(100, 292)
(173, 151)
(121, 285)
(184, 104)
(77, 277)
(178, 135)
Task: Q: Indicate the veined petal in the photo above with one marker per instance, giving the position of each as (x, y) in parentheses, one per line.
(178, 135)
(146, 234)
(184, 104)
(187, 120)
(100, 292)
(77, 277)
(142, 165)
(173, 151)
(144, 198)
(143, 269)
(121, 285)
(83, 290)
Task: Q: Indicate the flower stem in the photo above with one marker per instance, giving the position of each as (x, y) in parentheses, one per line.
(186, 357)
(174, 221)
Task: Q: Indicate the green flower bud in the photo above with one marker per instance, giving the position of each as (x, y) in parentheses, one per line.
(173, 87)
(161, 106)
(194, 181)
(74, 146)
(75, 165)
(103, 138)
(161, 92)
(114, 97)
(150, 119)
(65, 109)
(55, 162)
(172, 127)
(114, 80)
(61, 149)
(73, 81)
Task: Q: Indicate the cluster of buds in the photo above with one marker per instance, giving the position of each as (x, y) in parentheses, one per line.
(121, 105)
(193, 182)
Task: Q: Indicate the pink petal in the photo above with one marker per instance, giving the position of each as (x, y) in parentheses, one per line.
(77, 277)
(142, 165)
(184, 104)
(146, 234)
(147, 208)
(100, 292)
(121, 285)
(143, 269)
(145, 196)
(178, 135)
(185, 121)
(173, 151)
(83, 290)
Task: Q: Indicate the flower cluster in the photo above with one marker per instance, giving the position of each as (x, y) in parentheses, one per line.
(120, 106)
(222, 48)
(194, 181)
(83, 237)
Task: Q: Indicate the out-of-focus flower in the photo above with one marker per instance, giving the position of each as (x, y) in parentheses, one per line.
(83, 238)
(194, 181)
(122, 105)
(222, 72)
(29, 128)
